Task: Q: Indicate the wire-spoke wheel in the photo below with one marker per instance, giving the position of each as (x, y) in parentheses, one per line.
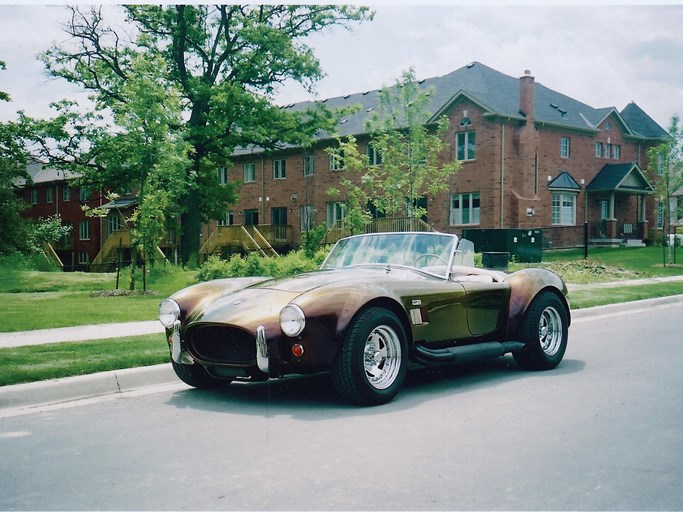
(371, 365)
(544, 331)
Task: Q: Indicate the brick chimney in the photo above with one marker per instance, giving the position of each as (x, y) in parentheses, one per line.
(526, 95)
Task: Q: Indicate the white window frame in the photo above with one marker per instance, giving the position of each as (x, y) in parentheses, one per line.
(337, 161)
(309, 164)
(462, 215)
(466, 146)
(250, 172)
(563, 209)
(336, 212)
(373, 154)
(222, 173)
(616, 151)
(84, 230)
(66, 194)
(598, 149)
(279, 169)
(565, 147)
(83, 258)
(49, 195)
(227, 220)
(34, 196)
(114, 223)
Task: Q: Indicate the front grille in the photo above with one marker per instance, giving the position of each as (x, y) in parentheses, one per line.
(221, 344)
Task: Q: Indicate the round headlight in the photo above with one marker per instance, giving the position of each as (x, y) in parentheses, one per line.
(292, 320)
(169, 312)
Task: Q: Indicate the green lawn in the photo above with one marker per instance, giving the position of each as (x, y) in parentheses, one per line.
(56, 360)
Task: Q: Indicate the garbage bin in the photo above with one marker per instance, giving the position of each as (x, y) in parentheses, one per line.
(495, 260)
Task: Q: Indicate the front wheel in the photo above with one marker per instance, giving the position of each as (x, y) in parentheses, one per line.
(544, 330)
(195, 375)
(372, 363)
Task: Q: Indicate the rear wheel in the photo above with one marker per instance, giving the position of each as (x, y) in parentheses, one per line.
(372, 363)
(544, 331)
(195, 375)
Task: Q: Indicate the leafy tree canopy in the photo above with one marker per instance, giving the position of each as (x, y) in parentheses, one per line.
(405, 157)
(224, 63)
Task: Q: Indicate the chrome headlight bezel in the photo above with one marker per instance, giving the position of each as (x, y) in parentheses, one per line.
(292, 320)
(169, 313)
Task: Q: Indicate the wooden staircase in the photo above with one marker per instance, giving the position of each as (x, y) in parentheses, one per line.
(245, 238)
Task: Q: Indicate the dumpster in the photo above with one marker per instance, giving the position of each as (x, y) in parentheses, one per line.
(523, 245)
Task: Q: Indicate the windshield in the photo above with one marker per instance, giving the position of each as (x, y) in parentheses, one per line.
(429, 252)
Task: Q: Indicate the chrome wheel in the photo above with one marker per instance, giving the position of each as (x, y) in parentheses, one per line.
(550, 333)
(372, 363)
(544, 333)
(382, 357)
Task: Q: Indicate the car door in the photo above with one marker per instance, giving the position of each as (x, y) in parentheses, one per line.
(486, 305)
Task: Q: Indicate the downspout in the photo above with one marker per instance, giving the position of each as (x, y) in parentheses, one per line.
(502, 173)
(263, 189)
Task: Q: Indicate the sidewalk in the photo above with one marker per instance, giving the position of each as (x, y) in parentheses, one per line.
(79, 333)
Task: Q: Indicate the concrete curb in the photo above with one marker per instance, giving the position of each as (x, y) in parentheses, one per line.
(34, 394)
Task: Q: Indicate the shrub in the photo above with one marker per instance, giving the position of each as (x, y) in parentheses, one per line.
(255, 265)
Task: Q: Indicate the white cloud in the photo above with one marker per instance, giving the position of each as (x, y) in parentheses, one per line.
(604, 55)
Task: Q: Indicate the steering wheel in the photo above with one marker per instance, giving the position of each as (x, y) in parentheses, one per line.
(429, 255)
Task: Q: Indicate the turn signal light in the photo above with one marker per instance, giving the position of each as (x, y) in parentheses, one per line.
(297, 350)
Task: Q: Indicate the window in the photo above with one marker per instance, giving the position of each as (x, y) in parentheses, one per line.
(66, 194)
(226, 220)
(114, 223)
(65, 241)
(465, 209)
(660, 214)
(564, 147)
(83, 258)
(598, 149)
(222, 175)
(249, 173)
(337, 161)
(660, 164)
(251, 217)
(564, 209)
(279, 169)
(306, 219)
(616, 151)
(466, 146)
(49, 195)
(608, 150)
(374, 156)
(84, 230)
(278, 216)
(84, 193)
(34, 196)
(309, 164)
(335, 213)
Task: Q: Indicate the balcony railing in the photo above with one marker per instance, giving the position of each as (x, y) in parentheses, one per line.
(384, 225)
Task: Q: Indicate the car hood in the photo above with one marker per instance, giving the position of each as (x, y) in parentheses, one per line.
(262, 302)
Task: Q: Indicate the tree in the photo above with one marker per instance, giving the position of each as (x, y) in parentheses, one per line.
(404, 158)
(13, 159)
(666, 167)
(226, 61)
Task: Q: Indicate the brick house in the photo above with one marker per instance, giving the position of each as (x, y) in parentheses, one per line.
(531, 158)
(56, 191)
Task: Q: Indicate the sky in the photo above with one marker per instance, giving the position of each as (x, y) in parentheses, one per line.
(606, 54)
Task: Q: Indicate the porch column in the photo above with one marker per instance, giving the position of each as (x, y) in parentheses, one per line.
(611, 221)
(642, 217)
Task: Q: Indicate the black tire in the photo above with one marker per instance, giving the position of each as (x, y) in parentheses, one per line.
(195, 375)
(372, 363)
(544, 330)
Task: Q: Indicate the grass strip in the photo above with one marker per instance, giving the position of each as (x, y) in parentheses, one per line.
(68, 359)
(601, 296)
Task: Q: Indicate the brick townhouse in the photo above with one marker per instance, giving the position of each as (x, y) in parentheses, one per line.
(530, 158)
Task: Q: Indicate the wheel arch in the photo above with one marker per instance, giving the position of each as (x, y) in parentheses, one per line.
(526, 285)
(389, 304)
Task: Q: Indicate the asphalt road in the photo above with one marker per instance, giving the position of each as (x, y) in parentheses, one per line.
(600, 432)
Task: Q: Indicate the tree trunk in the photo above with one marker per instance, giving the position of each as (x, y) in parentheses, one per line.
(191, 221)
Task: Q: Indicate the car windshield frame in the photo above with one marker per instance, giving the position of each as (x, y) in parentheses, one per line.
(426, 252)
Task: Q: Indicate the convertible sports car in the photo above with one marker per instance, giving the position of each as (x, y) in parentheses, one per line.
(379, 304)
